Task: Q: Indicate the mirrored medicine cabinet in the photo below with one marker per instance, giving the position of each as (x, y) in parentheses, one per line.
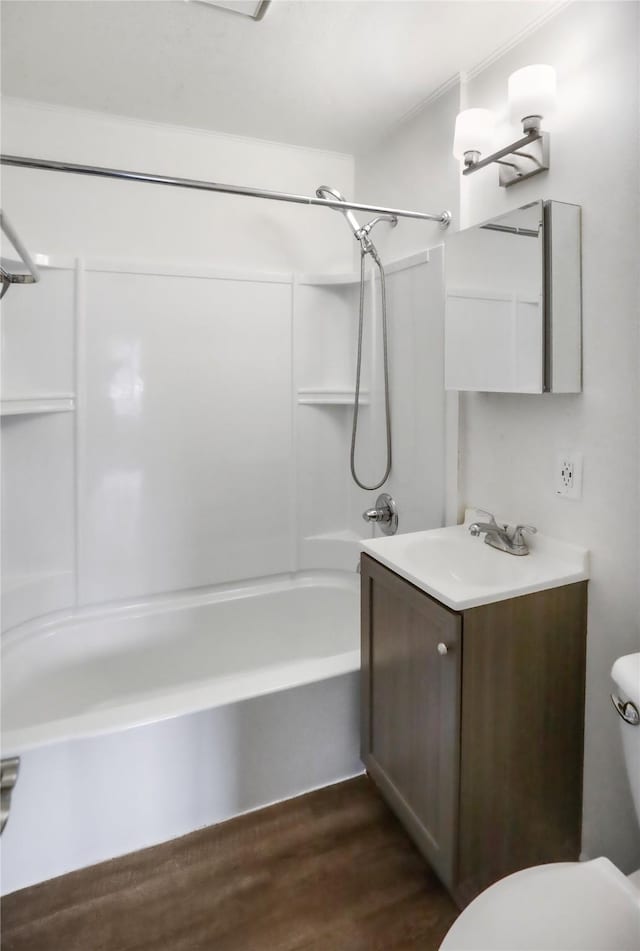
(513, 303)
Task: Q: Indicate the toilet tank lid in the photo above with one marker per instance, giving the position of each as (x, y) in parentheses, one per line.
(626, 675)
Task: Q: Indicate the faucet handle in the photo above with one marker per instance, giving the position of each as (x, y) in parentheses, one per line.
(518, 533)
(476, 527)
(385, 514)
(489, 515)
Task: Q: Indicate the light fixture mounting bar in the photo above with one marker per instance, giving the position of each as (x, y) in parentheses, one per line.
(519, 160)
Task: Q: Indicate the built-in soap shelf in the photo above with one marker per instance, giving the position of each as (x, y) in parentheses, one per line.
(331, 397)
(35, 405)
(348, 278)
(353, 277)
(337, 550)
(339, 535)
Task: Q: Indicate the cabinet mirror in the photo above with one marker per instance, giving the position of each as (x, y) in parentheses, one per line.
(513, 302)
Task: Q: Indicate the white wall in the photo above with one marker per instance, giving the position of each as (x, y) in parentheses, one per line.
(413, 168)
(508, 443)
(70, 214)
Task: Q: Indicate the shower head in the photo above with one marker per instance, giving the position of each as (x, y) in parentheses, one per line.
(361, 234)
(324, 191)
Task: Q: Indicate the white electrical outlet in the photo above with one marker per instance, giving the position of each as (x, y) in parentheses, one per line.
(569, 474)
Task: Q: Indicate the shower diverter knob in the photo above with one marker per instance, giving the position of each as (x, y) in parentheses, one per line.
(385, 514)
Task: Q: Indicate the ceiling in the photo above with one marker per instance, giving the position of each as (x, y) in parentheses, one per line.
(332, 74)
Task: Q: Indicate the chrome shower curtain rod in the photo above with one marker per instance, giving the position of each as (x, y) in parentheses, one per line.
(97, 171)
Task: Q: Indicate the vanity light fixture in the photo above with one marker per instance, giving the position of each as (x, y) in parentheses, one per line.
(473, 135)
(532, 92)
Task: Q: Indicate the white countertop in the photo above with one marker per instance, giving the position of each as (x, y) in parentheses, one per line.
(463, 572)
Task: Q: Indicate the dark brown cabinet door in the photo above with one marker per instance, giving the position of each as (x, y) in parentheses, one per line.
(522, 735)
(411, 708)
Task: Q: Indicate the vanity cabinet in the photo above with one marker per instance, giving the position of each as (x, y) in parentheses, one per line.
(472, 724)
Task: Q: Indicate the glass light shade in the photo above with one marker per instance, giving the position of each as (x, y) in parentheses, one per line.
(474, 132)
(532, 92)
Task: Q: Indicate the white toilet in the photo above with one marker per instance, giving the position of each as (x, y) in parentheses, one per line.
(566, 906)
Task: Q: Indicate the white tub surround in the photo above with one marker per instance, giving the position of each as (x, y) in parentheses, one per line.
(123, 499)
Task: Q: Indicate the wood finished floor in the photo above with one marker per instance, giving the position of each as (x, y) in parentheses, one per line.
(329, 871)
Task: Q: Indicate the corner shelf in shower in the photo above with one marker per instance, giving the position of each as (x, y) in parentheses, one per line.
(341, 535)
(337, 550)
(331, 397)
(350, 278)
(35, 405)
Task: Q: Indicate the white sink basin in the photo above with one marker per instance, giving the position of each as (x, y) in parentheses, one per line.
(463, 572)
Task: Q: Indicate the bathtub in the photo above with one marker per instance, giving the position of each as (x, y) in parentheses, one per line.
(139, 723)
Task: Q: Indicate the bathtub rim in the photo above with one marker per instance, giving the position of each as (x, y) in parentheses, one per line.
(191, 696)
(147, 605)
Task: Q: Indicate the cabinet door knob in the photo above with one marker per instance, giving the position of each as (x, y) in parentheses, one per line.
(442, 649)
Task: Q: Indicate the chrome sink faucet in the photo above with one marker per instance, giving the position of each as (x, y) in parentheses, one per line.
(503, 537)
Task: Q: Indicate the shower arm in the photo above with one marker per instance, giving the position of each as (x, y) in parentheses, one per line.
(20, 161)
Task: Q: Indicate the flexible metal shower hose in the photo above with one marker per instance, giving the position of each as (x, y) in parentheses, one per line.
(356, 403)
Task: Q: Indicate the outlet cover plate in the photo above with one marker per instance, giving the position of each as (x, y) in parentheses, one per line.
(568, 474)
